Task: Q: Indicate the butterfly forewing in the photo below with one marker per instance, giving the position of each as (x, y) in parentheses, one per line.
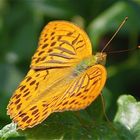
(61, 44)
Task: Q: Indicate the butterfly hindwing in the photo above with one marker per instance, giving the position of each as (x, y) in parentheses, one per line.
(84, 90)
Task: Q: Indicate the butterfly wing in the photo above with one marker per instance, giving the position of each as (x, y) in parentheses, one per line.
(83, 90)
(73, 94)
(61, 44)
(71, 45)
(36, 89)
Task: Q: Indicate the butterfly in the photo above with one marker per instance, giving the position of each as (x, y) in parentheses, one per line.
(63, 76)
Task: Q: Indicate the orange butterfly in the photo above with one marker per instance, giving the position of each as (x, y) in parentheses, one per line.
(63, 75)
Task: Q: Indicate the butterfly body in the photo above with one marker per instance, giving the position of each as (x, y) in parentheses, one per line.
(63, 75)
(98, 58)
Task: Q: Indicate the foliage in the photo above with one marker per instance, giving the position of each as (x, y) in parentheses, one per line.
(20, 25)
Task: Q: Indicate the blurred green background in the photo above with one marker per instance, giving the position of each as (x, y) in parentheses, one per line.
(21, 22)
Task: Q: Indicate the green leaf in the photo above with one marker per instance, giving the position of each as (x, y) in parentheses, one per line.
(128, 114)
(128, 111)
(136, 131)
(8, 131)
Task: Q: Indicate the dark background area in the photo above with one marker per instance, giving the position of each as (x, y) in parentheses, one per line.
(21, 22)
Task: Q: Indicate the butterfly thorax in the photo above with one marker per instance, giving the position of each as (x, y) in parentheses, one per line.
(99, 58)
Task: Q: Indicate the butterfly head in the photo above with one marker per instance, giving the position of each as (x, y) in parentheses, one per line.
(100, 58)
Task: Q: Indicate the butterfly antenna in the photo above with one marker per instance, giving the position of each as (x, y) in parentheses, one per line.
(123, 22)
(121, 51)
